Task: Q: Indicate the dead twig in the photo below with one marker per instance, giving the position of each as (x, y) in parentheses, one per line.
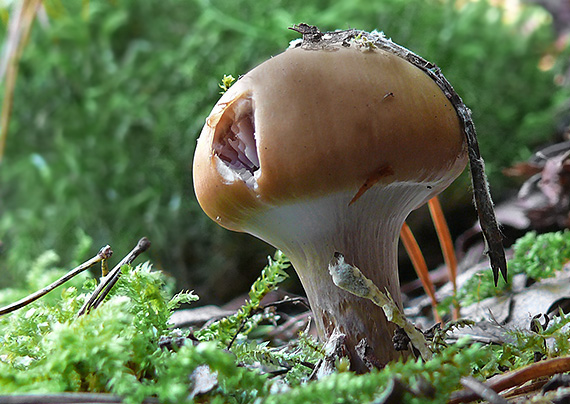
(111, 279)
(259, 309)
(314, 39)
(67, 398)
(482, 391)
(102, 255)
(481, 193)
(515, 378)
(291, 326)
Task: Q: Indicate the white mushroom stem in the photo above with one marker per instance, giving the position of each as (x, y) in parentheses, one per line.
(311, 231)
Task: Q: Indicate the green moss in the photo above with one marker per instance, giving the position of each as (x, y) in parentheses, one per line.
(536, 256)
(45, 348)
(226, 83)
(540, 256)
(108, 107)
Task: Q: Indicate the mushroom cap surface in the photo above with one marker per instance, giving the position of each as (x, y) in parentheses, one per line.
(308, 123)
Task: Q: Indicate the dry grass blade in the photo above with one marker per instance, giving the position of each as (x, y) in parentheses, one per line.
(19, 29)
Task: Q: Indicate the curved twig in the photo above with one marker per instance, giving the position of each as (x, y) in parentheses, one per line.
(109, 281)
(517, 377)
(67, 398)
(103, 254)
(313, 38)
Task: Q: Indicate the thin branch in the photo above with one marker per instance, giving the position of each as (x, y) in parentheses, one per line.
(517, 377)
(102, 255)
(481, 193)
(482, 391)
(313, 38)
(111, 279)
(259, 309)
(67, 398)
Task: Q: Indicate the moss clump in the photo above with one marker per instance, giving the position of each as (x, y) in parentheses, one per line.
(538, 256)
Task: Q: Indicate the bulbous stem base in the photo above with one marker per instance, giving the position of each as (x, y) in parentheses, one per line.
(336, 310)
(367, 234)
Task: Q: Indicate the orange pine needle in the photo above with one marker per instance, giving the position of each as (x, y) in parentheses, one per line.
(446, 244)
(419, 263)
(382, 172)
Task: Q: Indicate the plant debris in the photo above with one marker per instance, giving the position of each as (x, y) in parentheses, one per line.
(545, 196)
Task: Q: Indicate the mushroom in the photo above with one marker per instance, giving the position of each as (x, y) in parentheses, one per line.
(323, 149)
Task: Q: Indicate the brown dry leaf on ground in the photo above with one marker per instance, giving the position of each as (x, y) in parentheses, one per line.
(545, 196)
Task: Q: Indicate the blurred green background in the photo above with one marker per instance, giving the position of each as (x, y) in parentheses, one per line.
(111, 96)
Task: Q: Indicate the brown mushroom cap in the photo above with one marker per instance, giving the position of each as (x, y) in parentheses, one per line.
(320, 122)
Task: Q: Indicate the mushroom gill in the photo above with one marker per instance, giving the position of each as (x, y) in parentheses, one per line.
(235, 143)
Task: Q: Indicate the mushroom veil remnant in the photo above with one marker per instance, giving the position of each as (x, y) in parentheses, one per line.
(326, 148)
